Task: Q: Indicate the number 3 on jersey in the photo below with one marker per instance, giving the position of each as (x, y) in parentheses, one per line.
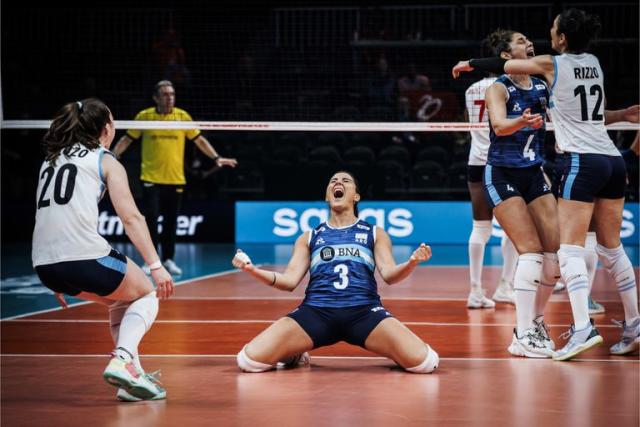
(343, 272)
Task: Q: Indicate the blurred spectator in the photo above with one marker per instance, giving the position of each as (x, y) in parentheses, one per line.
(171, 58)
(381, 86)
(412, 87)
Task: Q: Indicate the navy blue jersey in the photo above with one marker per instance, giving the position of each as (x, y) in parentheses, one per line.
(524, 147)
(342, 266)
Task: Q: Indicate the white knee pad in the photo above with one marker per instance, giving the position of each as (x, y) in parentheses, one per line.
(573, 267)
(481, 232)
(528, 272)
(145, 307)
(550, 269)
(618, 265)
(429, 365)
(248, 365)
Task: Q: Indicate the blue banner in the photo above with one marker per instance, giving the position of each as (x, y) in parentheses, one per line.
(406, 222)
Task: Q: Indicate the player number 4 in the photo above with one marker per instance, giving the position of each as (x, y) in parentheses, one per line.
(528, 152)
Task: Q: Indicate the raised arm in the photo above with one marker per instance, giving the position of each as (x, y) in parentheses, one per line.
(495, 98)
(293, 274)
(134, 223)
(390, 271)
(205, 146)
(539, 65)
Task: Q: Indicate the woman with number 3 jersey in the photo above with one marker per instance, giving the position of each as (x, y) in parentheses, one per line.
(342, 301)
(593, 179)
(69, 255)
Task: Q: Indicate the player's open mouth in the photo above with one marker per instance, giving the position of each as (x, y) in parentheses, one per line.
(530, 53)
(338, 192)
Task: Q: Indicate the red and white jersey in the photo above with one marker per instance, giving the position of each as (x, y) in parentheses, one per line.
(474, 100)
(67, 208)
(577, 105)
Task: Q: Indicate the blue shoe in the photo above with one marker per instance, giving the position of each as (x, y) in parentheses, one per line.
(595, 307)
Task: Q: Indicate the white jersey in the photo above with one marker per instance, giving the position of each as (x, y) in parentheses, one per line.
(474, 100)
(67, 208)
(577, 105)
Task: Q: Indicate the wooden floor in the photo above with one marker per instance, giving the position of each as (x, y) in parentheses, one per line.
(52, 362)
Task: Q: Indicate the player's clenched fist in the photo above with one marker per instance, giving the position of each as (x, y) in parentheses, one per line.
(423, 253)
(242, 261)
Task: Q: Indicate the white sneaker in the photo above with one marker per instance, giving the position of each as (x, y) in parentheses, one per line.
(478, 300)
(579, 341)
(123, 374)
(125, 395)
(559, 287)
(504, 293)
(630, 339)
(543, 332)
(171, 267)
(146, 269)
(302, 359)
(529, 345)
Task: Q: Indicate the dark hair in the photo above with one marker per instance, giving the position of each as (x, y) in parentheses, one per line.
(579, 27)
(76, 122)
(355, 181)
(159, 85)
(499, 41)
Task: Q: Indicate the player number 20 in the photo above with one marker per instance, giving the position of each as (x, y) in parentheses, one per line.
(343, 272)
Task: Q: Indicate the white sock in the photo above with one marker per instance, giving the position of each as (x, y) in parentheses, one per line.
(525, 285)
(136, 321)
(480, 235)
(591, 257)
(509, 259)
(621, 270)
(542, 297)
(574, 274)
(116, 313)
(548, 279)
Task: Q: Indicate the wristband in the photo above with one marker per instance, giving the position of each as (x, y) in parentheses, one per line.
(493, 64)
(155, 266)
(215, 159)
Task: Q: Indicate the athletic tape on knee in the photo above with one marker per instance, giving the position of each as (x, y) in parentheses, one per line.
(481, 232)
(248, 365)
(528, 272)
(429, 364)
(145, 308)
(550, 269)
(618, 265)
(573, 267)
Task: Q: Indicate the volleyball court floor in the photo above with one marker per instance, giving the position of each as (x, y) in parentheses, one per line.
(52, 360)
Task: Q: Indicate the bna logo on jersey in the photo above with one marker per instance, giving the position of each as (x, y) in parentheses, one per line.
(327, 253)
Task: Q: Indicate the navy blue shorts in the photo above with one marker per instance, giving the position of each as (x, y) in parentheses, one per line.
(99, 276)
(474, 173)
(584, 177)
(502, 183)
(328, 326)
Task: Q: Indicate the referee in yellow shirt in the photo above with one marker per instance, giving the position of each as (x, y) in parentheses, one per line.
(162, 172)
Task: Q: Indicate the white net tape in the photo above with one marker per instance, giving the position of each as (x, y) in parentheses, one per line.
(297, 126)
